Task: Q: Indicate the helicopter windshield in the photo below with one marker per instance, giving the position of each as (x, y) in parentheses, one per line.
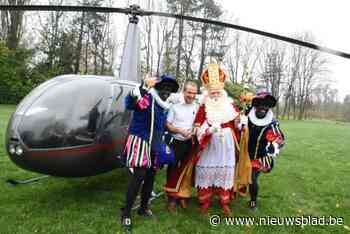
(67, 115)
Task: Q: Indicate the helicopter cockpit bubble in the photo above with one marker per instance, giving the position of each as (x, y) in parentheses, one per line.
(65, 116)
(70, 126)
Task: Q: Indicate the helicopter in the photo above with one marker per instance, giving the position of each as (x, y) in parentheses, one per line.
(76, 125)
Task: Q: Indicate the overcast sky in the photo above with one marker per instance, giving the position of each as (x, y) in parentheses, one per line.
(327, 20)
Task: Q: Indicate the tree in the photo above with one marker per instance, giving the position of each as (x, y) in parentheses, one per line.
(346, 107)
(66, 53)
(305, 68)
(12, 23)
(292, 72)
(15, 78)
(51, 34)
(82, 45)
(163, 37)
(234, 57)
(209, 9)
(189, 44)
(183, 7)
(312, 65)
(274, 65)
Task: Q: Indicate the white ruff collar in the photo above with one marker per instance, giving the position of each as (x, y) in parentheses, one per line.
(221, 111)
(260, 122)
(156, 97)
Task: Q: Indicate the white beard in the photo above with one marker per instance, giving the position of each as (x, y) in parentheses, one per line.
(219, 110)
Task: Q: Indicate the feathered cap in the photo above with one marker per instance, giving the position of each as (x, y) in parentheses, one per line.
(264, 98)
(167, 80)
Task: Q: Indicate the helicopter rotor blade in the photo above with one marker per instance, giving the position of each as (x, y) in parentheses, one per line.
(64, 8)
(255, 31)
(136, 11)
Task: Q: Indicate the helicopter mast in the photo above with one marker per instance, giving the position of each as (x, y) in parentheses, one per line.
(130, 66)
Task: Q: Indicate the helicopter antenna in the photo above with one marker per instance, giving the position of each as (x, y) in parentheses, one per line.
(139, 12)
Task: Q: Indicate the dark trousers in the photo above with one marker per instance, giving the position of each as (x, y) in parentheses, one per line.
(145, 175)
(181, 151)
(254, 187)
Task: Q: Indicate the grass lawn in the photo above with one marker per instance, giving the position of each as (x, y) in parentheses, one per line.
(311, 177)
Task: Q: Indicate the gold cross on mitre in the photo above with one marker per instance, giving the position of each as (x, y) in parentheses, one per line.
(211, 77)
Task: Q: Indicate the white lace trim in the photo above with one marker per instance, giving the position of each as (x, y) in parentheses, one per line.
(156, 97)
(216, 166)
(260, 122)
(222, 177)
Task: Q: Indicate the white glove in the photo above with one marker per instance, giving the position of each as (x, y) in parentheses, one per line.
(272, 149)
(136, 92)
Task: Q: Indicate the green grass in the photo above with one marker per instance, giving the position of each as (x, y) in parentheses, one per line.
(311, 177)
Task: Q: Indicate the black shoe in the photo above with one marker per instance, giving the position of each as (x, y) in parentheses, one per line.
(126, 223)
(252, 205)
(145, 212)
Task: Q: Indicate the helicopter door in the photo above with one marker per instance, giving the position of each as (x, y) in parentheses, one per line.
(118, 116)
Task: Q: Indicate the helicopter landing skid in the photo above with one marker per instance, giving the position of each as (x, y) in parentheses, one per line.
(27, 181)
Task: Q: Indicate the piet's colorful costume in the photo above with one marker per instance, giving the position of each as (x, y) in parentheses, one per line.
(143, 144)
(145, 130)
(217, 136)
(262, 140)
